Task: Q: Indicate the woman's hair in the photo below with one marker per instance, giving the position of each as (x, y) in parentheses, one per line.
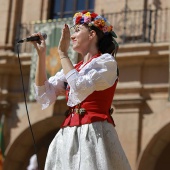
(105, 43)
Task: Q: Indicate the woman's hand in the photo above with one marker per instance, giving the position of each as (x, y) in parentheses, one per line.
(40, 45)
(63, 46)
(64, 42)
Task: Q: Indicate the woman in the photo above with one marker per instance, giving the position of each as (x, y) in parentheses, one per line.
(87, 139)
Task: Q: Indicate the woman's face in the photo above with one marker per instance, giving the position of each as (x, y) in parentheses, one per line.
(80, 38)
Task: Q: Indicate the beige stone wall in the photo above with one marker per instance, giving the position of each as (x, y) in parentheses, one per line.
(162, 3)
(108, 5)
(3, 20)
(7, 14)
(35, 10)
(117, 5)
(15, 12)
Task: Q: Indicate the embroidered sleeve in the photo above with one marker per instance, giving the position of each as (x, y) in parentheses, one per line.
(52, 88)
(99, 74)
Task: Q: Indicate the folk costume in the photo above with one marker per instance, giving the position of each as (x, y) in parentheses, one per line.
(87, 139)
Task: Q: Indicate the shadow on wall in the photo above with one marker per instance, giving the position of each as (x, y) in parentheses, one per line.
(11, 121)
(157, 153)
(23, 147)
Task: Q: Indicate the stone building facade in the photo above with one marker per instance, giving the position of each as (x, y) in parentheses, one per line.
(141, 103)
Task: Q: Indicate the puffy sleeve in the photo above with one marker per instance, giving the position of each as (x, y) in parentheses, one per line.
(53, 87)
(99, 74)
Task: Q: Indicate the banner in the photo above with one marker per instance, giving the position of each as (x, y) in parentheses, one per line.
(53, 30)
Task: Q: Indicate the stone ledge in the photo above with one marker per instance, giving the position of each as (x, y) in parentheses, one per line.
(143, 46)
(143, 50)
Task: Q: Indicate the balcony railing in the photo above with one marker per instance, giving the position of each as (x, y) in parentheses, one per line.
(131, 26)
(141, 25)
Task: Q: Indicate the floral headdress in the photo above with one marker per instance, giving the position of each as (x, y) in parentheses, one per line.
(93, 19)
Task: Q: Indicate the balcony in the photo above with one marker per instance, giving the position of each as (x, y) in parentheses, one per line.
(141, 25)
(138, 26)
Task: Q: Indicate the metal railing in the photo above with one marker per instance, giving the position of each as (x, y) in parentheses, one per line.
(141, 25)
(131, 26)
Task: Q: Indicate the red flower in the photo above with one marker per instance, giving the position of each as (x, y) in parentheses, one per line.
(85, 11)
(78, 19)
(94, 15)
(98, 23)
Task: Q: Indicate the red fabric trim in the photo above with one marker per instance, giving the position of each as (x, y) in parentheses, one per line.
(77, 66)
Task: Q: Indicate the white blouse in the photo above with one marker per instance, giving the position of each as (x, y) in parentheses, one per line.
(99, 74)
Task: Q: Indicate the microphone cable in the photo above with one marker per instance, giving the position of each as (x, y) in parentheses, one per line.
(30, 126)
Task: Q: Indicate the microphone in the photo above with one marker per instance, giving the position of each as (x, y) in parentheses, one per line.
(35, 38)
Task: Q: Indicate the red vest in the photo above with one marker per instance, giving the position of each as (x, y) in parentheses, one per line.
(96, 105)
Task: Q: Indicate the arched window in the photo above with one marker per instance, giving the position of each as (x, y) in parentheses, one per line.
(66, 8)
